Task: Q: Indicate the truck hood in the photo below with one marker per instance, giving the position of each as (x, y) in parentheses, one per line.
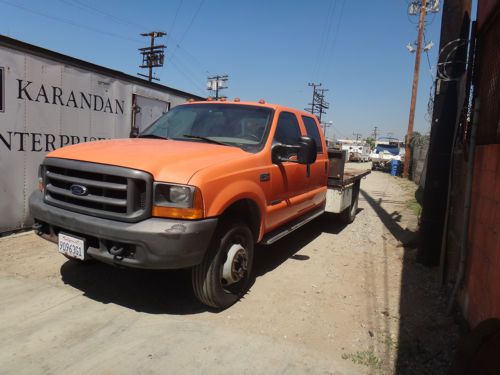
(166, 160)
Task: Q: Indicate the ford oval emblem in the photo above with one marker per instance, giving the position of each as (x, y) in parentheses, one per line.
(78, 190)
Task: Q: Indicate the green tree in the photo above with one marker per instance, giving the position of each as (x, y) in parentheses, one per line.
(371, 142)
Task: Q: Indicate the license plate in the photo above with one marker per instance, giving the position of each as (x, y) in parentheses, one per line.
(71, 246)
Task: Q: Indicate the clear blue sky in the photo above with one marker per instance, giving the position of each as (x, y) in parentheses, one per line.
(270, 49)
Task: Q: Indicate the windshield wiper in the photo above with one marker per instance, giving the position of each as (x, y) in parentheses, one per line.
(152, 136)
(209, 140)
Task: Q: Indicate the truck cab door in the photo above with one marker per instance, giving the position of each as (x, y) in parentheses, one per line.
(288, 179)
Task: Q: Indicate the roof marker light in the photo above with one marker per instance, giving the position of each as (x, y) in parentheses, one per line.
(262, 101)
(236, 99)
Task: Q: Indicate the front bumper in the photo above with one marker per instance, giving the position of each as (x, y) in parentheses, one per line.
(153, 243)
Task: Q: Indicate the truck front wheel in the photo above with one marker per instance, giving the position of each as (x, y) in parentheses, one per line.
(223, 275)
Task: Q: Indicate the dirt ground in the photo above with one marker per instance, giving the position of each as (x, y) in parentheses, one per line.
(328, 299)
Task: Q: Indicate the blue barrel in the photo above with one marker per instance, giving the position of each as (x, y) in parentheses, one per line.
(394, 167)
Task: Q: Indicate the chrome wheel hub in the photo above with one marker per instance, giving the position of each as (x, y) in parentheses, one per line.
(235, 266)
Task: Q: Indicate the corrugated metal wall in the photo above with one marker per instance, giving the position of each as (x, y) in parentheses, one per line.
(482, 290)
(488, 81)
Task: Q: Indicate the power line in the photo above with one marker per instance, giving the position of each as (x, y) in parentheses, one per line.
(180, 49)
(175, 17)
(84, 5)
(81, 6)
(324, 37)
(191, 22)
(88, 8)
(338, 131)
(195, 84)
(69, 22)
(329, 51)
(181, 39)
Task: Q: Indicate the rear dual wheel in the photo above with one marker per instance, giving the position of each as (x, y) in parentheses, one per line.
(349, 214)
(223, 276)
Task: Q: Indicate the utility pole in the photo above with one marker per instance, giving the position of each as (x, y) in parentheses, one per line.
(375, 132)
(152, 56)
(217, 83)
(414, 90)
(313, 104)
(455, 26)
(357, 135)
(325, 125)
(321, 104)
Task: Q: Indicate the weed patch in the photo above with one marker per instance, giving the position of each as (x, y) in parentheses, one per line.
(366, 358)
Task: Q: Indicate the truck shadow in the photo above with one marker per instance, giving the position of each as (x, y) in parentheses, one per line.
(149, 291)
(170, 292)
(268, 258)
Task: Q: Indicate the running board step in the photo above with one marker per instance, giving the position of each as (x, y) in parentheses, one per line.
(288, 228)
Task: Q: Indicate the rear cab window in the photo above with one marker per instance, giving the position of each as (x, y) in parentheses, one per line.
(313, 132)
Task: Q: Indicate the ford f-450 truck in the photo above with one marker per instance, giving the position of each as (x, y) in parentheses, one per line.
(197, 189)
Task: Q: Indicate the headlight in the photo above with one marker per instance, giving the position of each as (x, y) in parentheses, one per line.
(173, 195)
(177, 201)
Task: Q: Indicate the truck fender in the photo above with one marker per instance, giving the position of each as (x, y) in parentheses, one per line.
(235, 192)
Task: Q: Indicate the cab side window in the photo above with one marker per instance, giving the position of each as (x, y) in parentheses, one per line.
(287, 129)
(313, 132)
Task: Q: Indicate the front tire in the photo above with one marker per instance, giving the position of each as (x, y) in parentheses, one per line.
(223, 275)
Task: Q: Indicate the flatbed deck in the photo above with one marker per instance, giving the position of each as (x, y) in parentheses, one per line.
(350, 176)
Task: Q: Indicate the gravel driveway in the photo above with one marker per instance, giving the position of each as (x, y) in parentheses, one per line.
(328, 299)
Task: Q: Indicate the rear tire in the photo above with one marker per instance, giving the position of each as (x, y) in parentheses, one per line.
(349, 214)
(223, 275)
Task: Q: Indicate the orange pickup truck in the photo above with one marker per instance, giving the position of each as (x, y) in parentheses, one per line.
(197, 189)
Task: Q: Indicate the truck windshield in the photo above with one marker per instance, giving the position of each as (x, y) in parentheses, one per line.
(242, 126)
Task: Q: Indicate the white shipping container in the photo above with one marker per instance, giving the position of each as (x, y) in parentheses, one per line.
(49, 100)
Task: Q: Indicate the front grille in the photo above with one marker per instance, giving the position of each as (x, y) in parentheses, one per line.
(106, 191)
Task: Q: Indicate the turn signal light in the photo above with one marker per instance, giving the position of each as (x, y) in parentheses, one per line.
(178, 213)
